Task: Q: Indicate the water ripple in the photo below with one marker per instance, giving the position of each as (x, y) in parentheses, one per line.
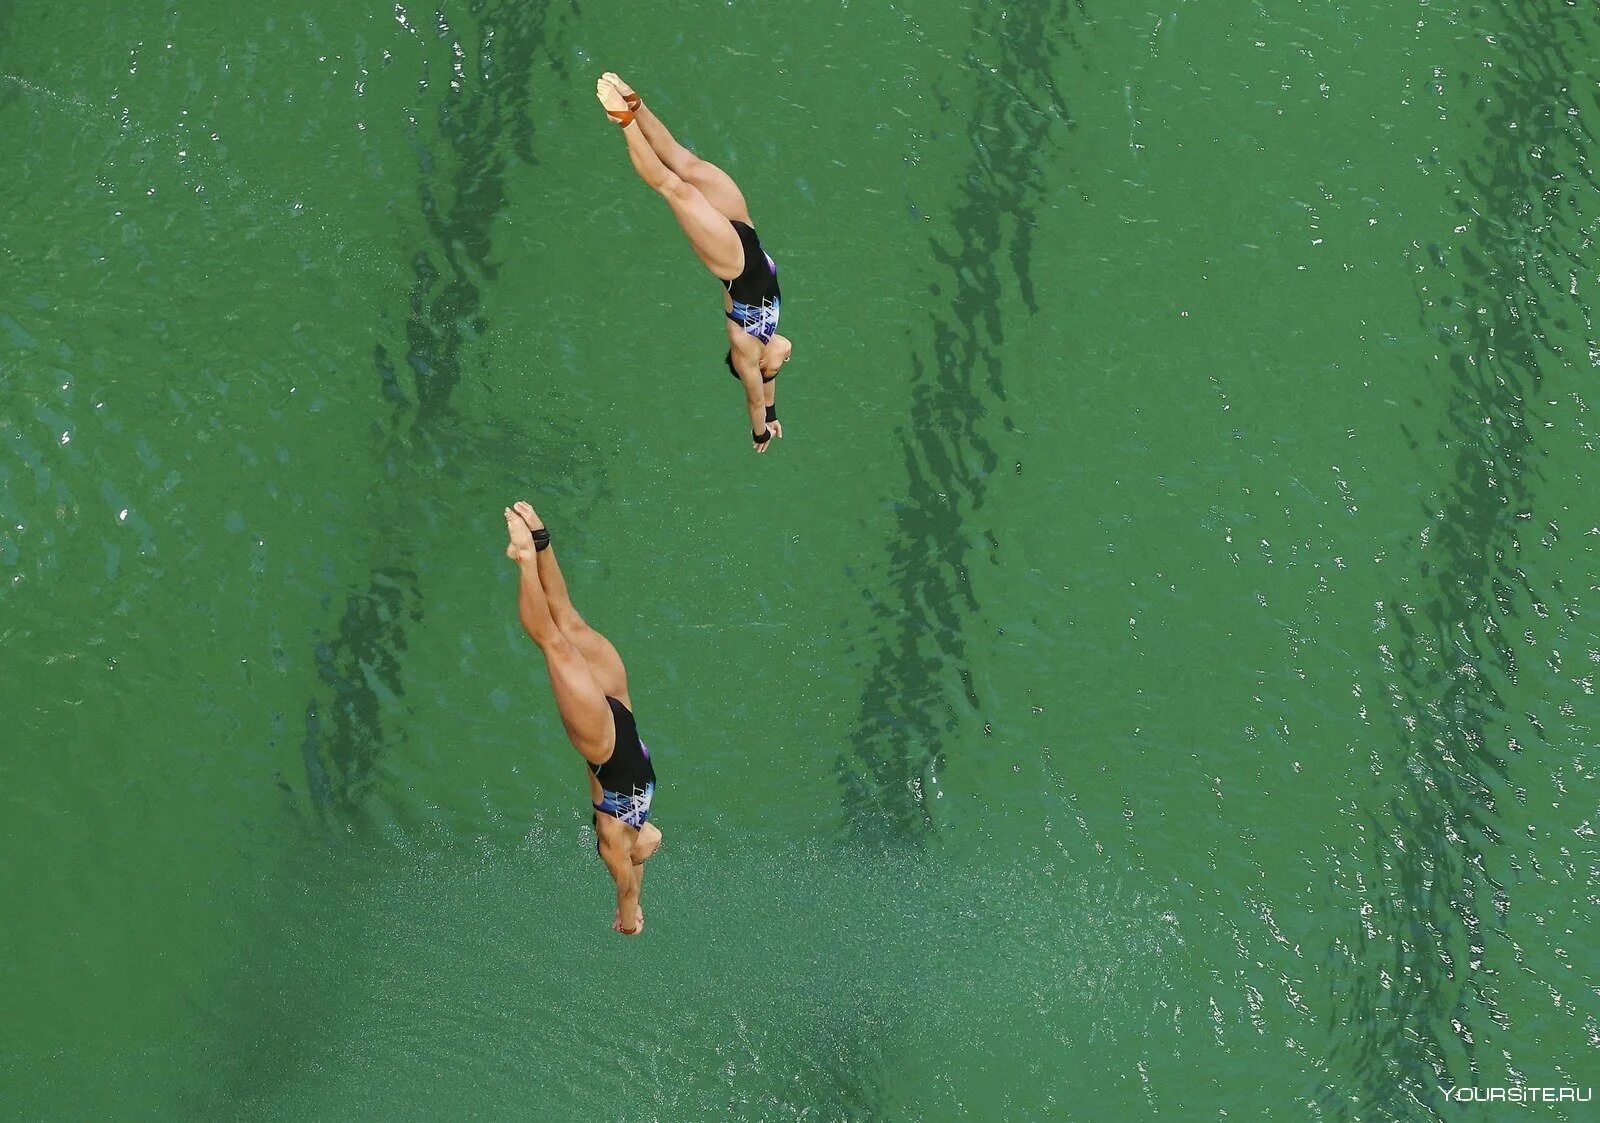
(1424, 987)
(921, 662)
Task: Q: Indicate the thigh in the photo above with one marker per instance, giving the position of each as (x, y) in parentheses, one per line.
(713, 237)
(718, 188)
(604, 662)
(580, 701)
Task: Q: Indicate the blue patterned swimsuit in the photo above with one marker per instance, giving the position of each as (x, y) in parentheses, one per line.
(627, 778)
(755, 291)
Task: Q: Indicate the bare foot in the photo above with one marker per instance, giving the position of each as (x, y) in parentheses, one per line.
(610, 97)
(520, 548)
(648, 843)
(622, 87)
(529, 515)
(638, 923)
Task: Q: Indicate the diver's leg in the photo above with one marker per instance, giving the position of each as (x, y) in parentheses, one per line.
(579, 698)
(714, 240)
(714, 183)
(604, 662)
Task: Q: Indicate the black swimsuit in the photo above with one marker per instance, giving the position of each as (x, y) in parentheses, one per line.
(755, 291)
(627, 778)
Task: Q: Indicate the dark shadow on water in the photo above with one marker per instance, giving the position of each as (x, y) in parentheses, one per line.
(487, 127)
(1418, 991)
(920, 678)
(270, 1022)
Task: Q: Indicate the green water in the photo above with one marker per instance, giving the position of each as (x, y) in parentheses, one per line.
(1154, 676)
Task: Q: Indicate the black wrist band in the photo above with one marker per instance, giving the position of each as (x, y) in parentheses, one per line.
(772, 413)
(760, 438)
(541, 540)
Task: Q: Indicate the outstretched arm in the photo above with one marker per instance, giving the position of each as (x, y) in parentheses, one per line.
(769, 387)
(614, 852)
(773, 356)
(755, 394)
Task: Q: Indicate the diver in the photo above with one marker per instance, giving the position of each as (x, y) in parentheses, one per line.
(712, 211)
(591, 689)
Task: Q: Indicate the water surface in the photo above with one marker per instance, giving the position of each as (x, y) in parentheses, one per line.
(1153, 676)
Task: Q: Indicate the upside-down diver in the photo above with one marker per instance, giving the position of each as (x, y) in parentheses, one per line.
(712, 211)
(591, 689)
